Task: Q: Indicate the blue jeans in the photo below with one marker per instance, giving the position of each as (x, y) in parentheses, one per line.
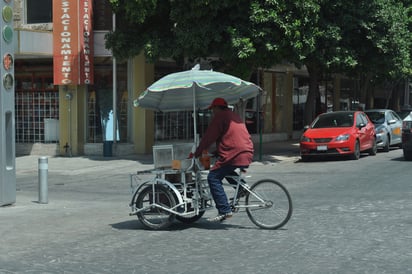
(214, 179)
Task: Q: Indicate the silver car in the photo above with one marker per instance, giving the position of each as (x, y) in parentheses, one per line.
(388, 126)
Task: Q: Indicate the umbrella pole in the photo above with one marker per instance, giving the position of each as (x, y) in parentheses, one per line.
(196, 141)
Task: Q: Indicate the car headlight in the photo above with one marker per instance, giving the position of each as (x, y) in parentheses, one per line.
(343, 137)
(304, 139)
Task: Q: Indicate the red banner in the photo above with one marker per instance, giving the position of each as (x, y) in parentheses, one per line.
(72, 42)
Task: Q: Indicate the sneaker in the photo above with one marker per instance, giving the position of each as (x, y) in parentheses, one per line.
(221, 217)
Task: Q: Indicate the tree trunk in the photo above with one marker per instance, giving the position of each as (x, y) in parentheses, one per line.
(364, 89)
(310, 106)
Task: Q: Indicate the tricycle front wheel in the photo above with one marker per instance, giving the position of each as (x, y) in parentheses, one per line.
(269, 204)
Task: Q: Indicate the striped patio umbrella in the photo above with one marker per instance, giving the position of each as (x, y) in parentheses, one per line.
(194, 89)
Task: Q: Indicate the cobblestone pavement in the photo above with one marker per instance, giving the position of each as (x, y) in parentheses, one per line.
(85, 227)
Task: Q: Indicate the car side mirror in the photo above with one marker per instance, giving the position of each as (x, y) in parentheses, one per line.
(361, 125)
(305, 128)
(390, 122)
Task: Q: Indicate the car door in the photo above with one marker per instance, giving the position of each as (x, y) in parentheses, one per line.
(365, 131)
(395, 126)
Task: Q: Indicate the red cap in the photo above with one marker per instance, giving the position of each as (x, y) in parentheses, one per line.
(218, 102)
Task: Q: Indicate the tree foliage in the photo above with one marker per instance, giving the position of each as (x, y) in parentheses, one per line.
(366, 39)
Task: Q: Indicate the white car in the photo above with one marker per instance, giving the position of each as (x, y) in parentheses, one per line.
(388, 127)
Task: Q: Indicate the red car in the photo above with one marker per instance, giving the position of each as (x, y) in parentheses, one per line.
(339, 133)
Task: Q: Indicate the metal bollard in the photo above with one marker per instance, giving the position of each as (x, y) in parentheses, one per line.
(43, 171)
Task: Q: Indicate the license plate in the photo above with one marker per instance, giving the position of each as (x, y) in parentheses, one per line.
(322, 148)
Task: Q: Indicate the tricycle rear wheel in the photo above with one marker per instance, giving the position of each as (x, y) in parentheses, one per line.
(154, 197)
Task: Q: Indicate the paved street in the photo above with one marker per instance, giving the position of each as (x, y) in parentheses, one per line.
(349, 217)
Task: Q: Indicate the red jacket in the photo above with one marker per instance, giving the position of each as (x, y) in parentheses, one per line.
(233, 142)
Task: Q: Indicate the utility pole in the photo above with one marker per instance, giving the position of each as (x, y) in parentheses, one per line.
(7, 121)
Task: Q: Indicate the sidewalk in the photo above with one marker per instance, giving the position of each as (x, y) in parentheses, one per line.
(277, 151)
(266, 152)
(98, 165)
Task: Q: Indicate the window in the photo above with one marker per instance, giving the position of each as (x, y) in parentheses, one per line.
(361, 120)
(100, 103)
(102, 15)
(36, 107)
(39, 11)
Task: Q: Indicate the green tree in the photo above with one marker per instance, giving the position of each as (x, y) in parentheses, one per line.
(367, 39)
(379, 41)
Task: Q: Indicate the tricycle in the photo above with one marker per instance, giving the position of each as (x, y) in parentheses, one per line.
(181, 192)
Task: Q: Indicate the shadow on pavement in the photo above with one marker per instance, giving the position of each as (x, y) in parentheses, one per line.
(177, 226)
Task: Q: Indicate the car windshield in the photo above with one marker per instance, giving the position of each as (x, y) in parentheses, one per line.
(377, 117)
(338, 119)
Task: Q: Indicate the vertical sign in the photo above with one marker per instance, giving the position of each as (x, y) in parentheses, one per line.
(72, 42)
(7, 122)
(86, 42)
(65, 43)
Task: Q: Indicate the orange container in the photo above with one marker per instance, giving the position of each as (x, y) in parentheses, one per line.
(205, 160)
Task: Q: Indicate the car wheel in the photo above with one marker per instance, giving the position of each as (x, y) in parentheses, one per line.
(374, 148)
(407, 154)
(386, 147)
(356, 151)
